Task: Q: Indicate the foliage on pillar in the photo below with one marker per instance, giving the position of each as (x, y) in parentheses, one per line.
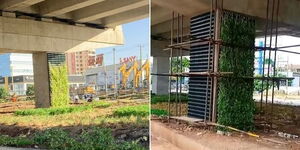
(235, 100)
(59, 85)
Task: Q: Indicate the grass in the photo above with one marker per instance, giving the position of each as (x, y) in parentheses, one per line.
(139, 110)
(75, 130)
(97, 116)
(56, 138)
(15, 141)
(3, 101)
(164, 98)
(159, 112)
(61, 110)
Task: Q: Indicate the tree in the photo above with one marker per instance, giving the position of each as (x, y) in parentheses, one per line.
(30, 90)
(176, 63)
(3, 93)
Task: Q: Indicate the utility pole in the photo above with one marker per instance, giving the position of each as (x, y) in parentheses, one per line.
(115, 73)
(141, 64)
(12, 79)
(105, 79)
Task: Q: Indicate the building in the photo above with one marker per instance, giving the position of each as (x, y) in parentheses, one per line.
(21, 83)
(102, 76)
(15, 64)
(17, 84)
(79, 62)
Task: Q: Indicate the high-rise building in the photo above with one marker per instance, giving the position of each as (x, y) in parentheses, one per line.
(79, 62)
(15, 64)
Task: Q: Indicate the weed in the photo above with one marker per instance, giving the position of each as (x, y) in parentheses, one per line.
(94, 139)
(139, 110)
(159, 112)
(15, 141)
(61, 110)
(164, 98)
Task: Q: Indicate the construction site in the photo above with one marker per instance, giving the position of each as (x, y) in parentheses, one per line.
(237, 94)
(56, 90)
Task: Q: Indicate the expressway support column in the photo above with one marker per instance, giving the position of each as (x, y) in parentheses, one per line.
(41, 80)
(160, 84)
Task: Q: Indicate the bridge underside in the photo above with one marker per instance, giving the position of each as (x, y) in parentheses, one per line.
(41, 27)
(161, 19)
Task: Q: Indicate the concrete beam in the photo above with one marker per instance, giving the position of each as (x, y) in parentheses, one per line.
(126, 17)
(17, 4)
(21, 35)
(166, 26)
(190, 6)
(59, 7)
(107, 8)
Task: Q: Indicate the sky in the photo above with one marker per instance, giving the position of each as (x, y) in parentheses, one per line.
(136, 34)
(284, 40)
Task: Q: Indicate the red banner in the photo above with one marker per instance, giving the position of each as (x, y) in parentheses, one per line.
(91, 61)
(99, 59)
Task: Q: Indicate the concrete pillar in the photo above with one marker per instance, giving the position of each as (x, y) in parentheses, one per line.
(41, 80)
(160, 84)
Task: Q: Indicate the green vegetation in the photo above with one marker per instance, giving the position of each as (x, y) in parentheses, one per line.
(138, 110)
(55, 138)
(3, 93)
(235, 101)
(177, 64)
(59, 85)
(164, 98)
(30, 90)
(159, 112)
(61, 110)
(15, 141)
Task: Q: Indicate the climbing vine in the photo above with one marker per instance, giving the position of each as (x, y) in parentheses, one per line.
(59, 85)
(235, 100)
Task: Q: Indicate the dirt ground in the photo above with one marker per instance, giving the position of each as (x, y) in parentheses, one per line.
(123, 129)
(204, 134)
(11, 107)
(285, 119)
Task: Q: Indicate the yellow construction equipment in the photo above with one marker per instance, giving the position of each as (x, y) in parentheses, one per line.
(125, 74)
(138, 72)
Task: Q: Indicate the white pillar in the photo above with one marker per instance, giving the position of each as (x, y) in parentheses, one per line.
(160, 84)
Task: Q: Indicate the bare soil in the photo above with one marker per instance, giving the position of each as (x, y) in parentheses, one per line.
(234, 140)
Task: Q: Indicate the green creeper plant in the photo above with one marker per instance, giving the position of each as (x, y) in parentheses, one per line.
(235, 100)
(59, 85)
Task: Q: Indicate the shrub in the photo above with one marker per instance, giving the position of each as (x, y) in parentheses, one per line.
(54, 139)
(30, 90)
(139, 110)
(3, 93)
(59, 85)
